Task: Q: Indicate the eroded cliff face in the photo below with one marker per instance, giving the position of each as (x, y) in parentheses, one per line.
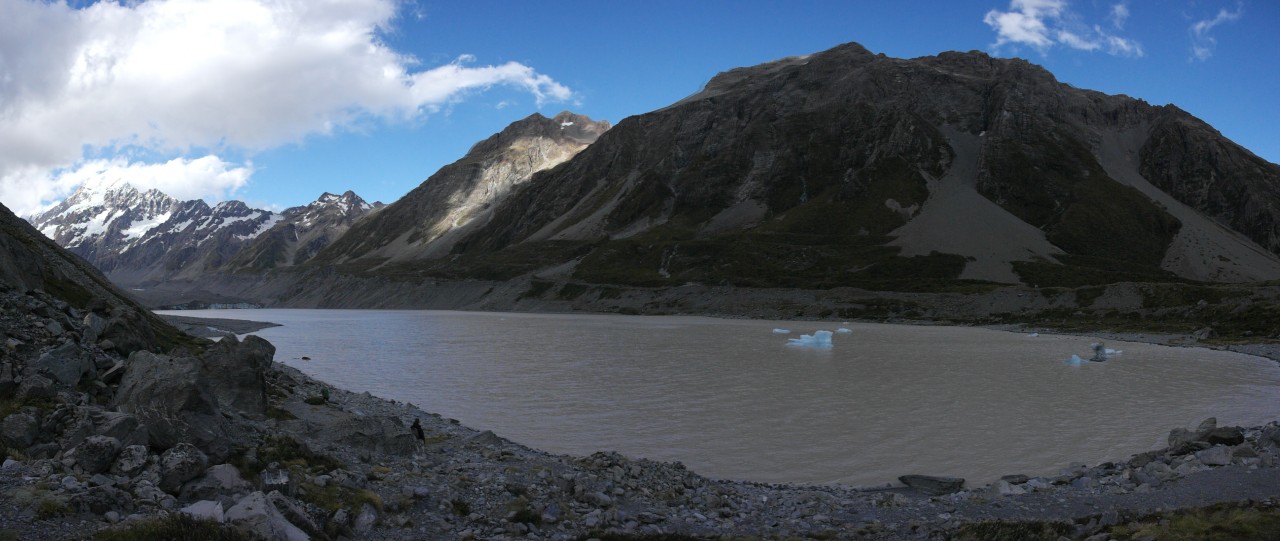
(427, 221)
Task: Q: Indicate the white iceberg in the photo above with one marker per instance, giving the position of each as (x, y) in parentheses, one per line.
(782, 331)
(843, 330)
(1034, 334)
(1075, 360)
(819, 339)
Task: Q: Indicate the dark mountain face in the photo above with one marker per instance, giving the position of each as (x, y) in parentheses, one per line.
(31, 261)
(810, 171)
(426, 221)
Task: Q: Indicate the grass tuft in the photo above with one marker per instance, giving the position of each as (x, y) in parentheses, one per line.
(174, 526)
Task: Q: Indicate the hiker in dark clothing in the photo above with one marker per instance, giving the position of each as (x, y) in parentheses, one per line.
(418, 433)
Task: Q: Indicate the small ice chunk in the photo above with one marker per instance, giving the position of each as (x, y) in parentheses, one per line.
(1075, 360)
(819, 339)
(782, 331)
(1034, 334)
(1111, 352)
(843, 330)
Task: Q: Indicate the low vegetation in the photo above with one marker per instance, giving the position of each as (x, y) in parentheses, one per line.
(171, 527)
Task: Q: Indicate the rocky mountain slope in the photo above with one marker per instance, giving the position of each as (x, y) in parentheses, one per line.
(139, 238)
(183, 435)
(302, 232)
(427, 221)
(850, 168)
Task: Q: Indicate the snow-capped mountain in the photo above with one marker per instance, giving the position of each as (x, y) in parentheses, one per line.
(100, 221)
(140, 238)
(302, 232)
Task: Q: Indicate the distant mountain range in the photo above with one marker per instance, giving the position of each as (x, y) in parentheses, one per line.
(841, 169)
(139, 238)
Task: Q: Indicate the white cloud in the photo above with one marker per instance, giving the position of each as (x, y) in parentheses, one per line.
(1202, 43)
(168, 76)
(1119, 15)
(208, 177)
(1041, 24)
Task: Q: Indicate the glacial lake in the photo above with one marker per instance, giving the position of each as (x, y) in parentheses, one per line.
(730, 399)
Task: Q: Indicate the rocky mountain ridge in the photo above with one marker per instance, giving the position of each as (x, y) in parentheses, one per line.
(138, 238)
(426, 222)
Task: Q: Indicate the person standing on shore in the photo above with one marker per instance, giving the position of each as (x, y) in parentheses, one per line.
(418, 434)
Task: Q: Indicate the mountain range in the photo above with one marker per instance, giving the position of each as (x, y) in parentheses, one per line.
(138, 238)
(844, 169)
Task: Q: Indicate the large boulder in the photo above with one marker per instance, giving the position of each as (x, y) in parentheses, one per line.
(254, 514)
(36, 387)
(96, 453)
(121, 426)
(181, 463)
(375, 433)
(19, 430)
(131, 460)
(171, 397)
(67, 363)
(217, 482)
(236, 372)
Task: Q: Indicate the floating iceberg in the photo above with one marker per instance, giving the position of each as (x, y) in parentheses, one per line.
(843, 330)
(819, 339)
(1075, 360)
(782, 331)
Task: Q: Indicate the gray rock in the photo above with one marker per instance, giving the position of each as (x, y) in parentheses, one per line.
(171, 398)
(365, 521)
(96, 453)
(1218, 455)
(8, 386)
(236, 373)
(36, 387)
(93, 326)
(219, 480)
(1005, 488)
(295, 514)
(275, 479)
(1015, 479)
(375, 433)
(1207, 425)
(205, 509)
(54, 328)
(67, 363)
(180, 464)
(254, 514)
(1227, 435)
(931, 485)
(122, 426)
(10, 464)
(130, 460)
(19, 430)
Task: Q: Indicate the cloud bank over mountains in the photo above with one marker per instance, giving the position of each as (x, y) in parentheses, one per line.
(174, 85)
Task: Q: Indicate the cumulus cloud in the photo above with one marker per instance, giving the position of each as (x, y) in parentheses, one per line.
(1202, 41)
(207, 177)
(1042, 24)
(169, 76)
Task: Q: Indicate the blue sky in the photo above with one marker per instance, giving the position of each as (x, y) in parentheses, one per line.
(255, 100)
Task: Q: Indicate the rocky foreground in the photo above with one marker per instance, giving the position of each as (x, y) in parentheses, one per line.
(95, 443)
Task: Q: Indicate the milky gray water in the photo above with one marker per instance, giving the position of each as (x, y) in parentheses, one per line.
(730, 399)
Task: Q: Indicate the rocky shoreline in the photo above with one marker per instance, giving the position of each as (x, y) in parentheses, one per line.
(95, 443)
